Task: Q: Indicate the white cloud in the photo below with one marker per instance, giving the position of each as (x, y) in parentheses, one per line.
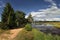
(48, 14)
(26, 16)
(53, 19)
(50, 1)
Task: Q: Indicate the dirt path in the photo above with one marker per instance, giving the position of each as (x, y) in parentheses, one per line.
(14, 33)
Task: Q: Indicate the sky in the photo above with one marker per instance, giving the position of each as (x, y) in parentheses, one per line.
(30, 6)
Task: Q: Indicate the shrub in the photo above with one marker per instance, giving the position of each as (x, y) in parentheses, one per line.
(4, 26)
(28, 27)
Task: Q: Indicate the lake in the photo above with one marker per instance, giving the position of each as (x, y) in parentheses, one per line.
(47, 28)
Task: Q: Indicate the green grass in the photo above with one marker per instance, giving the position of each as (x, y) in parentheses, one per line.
(35, 35)
(24, 35)
(54, 23)
(41, 36)
(38, 35)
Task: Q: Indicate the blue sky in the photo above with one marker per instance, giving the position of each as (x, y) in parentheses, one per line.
(28, 6)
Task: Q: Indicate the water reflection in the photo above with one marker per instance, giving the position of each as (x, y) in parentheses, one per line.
(46, 28)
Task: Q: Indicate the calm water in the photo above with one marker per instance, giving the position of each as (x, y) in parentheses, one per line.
(47, 28)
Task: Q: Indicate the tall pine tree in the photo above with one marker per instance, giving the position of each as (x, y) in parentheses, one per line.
(8, 16)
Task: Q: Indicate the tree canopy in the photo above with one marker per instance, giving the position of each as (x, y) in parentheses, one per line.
(12, 19)
(20, 18)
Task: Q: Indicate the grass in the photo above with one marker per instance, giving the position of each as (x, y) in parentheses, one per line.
(35, 35)
(54, 23)
(4, 34)
(24, 35)
(4, 31)
(41, 36)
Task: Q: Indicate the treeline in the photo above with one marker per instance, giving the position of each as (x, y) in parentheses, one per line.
(12, 19)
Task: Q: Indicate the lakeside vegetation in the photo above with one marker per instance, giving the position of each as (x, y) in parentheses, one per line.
(35, 34)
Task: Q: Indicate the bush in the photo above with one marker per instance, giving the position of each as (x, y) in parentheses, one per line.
(4, 26)
(28, 27)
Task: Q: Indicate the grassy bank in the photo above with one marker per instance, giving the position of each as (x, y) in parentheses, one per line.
(35, 35)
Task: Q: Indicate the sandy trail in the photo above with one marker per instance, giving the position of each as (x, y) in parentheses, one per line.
(14, 33)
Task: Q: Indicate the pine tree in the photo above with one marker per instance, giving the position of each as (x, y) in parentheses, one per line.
(20, 18)
(8, 16)
(30, 19)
